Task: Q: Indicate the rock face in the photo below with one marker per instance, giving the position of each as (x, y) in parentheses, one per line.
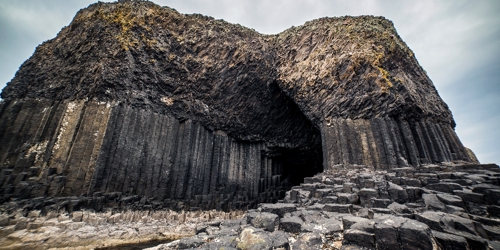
(88, 230)
(395, 209)
(358, 81)
(139, 100)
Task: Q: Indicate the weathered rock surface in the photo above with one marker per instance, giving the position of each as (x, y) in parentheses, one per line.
(88, 230)
(135, 110)
(136, 98)
(407, 225)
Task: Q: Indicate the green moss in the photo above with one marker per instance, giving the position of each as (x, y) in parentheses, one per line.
(384, 81)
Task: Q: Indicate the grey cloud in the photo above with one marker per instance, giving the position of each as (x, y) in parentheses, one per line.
(26, 24)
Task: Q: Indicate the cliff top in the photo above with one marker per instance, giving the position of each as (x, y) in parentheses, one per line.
(151, 56)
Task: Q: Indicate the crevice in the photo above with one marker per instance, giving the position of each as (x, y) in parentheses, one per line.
(294, 164)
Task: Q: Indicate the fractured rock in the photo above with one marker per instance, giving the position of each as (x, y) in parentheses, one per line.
(366, 195)
(279, 209)
(308, 241)
(251, 238)
(453, 200)
(359, 238)
(415, 235)
(339, 208)
(264, 220)
(291, 224)
(450, 241)
(397, 193)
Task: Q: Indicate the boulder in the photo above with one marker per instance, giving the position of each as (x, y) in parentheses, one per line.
(366, 213)
(412, 182)
(399, 208)
(492, 196)
(308, 241)
(415, 235)
(450, 241)
(279, 208)
(323, 192)
(291, 224)
(252, 238)
(494, 211)
(469, 196)
(339, 208)
(327, 227)
(346, 198)
(280, 239)
(329, 199)
(366, 195)
(397, 193)
(381, 203)
(366, 226)
(444, 187)
(192, 242)
(449, 199)
(264, 220)
(414, 193)
(493, 232)
(359, 238)
(348, 187)
(350, 220)
(432, 202)
(386, 236)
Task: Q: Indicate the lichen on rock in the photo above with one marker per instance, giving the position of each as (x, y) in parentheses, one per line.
(136, 106)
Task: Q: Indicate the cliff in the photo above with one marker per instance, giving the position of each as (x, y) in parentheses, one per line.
(140, 100)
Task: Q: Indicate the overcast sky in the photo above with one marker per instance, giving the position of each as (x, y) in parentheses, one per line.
(457, 42)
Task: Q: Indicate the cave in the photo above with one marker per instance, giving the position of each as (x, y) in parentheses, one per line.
(224, 120)
(293, 165)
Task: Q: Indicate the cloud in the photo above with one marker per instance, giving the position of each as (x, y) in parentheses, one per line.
(457, 42)
(26, 24)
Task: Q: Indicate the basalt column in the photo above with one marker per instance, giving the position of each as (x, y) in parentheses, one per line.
(136, 100)
(357, 80)
(84, 147)
(389, 143)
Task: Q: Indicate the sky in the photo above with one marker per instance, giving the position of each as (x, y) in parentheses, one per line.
(457, 43)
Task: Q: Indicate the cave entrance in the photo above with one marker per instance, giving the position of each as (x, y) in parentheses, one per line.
(294, 164)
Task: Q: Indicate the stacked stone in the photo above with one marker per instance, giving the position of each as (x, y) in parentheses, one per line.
(355, 207)
(89, 230)
(388, 142)
(95, 149)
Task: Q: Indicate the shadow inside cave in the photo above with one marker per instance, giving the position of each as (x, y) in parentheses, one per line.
(293, 165)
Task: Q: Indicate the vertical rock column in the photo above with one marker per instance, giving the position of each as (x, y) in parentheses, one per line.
(49, 148)
(81, 147)
(158, 156)
(389, 142)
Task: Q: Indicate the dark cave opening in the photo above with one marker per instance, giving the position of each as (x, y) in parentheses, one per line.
(294, 164)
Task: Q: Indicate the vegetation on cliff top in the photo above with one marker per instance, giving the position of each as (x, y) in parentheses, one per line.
(347, 67)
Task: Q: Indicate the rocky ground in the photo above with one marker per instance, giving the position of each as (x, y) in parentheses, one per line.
(90, 230)
(432, 207)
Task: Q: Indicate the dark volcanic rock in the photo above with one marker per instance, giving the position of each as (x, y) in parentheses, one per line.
(307, 241)
(291, 224)
(450, 241)
(136, 98)
(412, 225)
(266, 221)
(140, 99)
(134, 106)
(359, 238)
(308, 225)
